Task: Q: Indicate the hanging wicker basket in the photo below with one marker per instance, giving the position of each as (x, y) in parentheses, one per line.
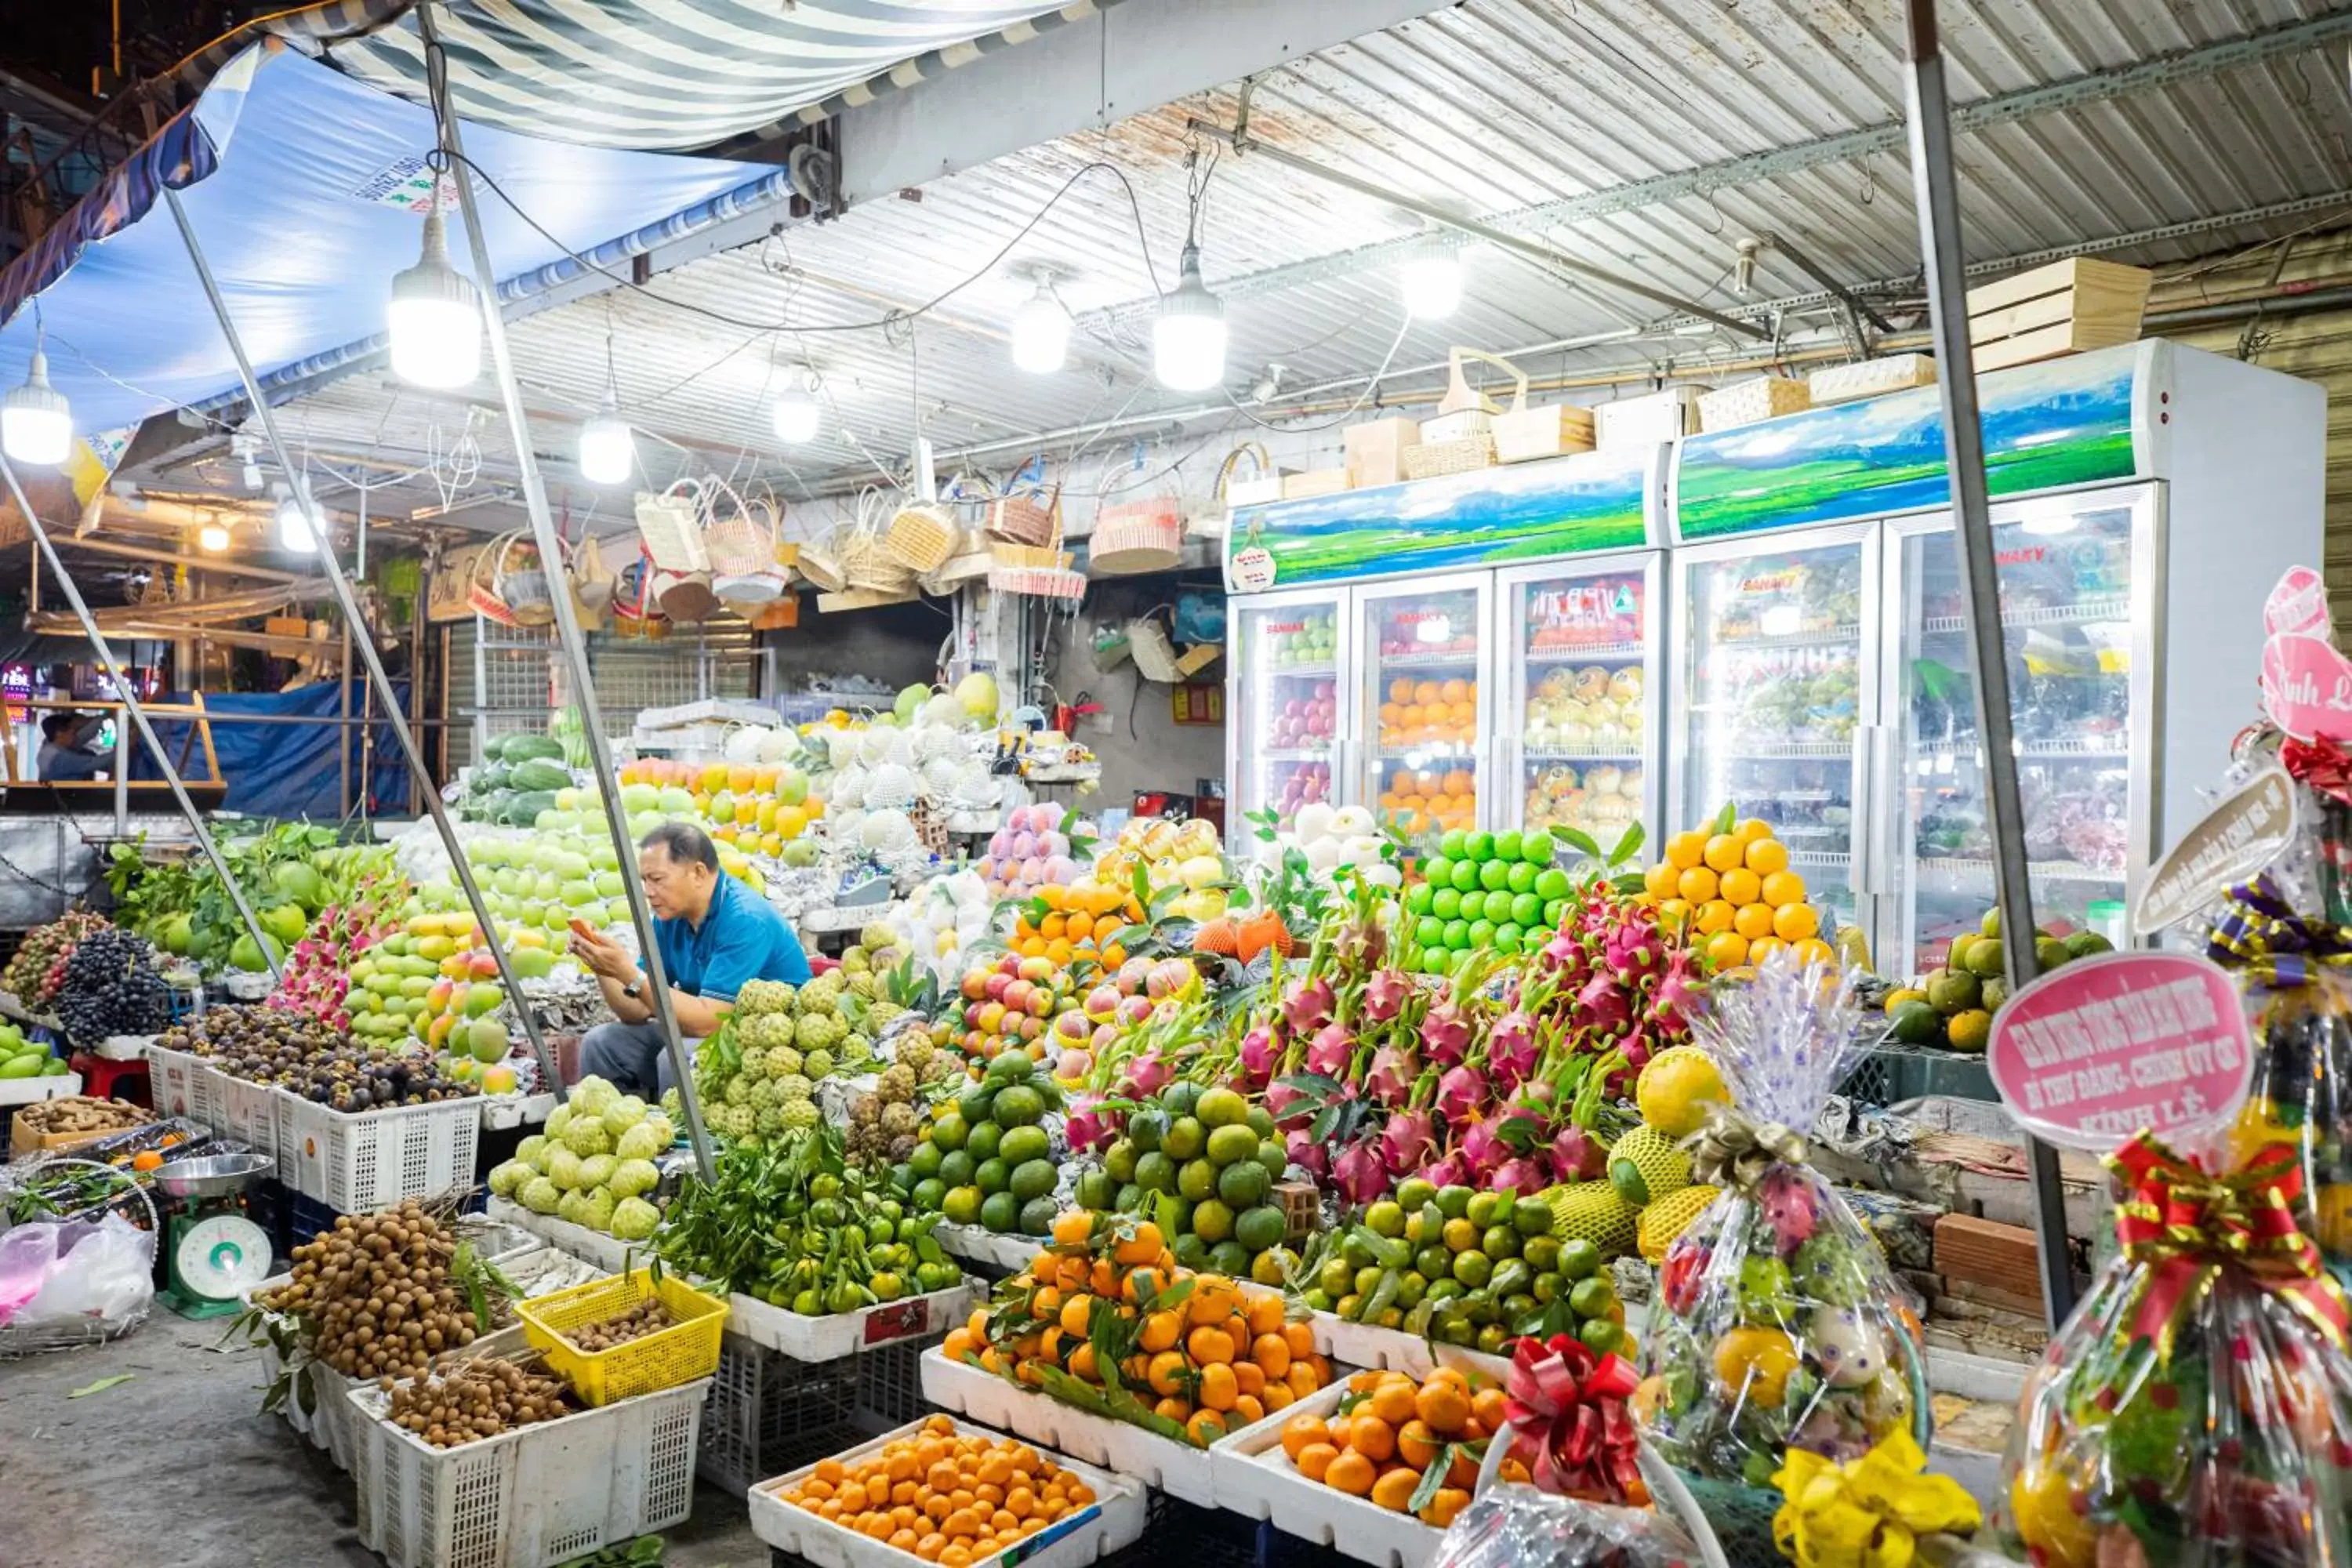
(1038, 582)
(671, 524)
(1137, 536)
(921, 536)
(1027, 517)
(1461, 437)
(746, 568)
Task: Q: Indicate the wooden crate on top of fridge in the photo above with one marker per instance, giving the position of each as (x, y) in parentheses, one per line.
(1529, 435)
(2068, 307)
(1751, 401)
(1376, 450)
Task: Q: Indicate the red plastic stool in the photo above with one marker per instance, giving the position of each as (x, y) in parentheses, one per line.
(105, 1079)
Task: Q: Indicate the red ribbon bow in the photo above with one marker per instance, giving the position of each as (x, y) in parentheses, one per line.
(2321, 765)
(1567, 1408)
(2185, 1227)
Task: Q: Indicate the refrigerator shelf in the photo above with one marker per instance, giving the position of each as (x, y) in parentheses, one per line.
(1296, 754)
(1615, 650)
(1828, 860)
(2095, 751)
(2111, 608)
(1462, 660)
(1579, 754)
(1848, 633)
(1972, 870)
(1791, 750)
(1302, 671)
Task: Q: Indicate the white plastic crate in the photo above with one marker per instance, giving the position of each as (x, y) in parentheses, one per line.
(1393, 1350)
(48, 1085)
(184, 1084)
(607, 1252)
(1252, 1476)
(357, 1162)
(319, 1404)
(530, 1498)
(248, 1113)
(977, 1243)
(1176, 1468)
(1114, 1520)
(839, 1334)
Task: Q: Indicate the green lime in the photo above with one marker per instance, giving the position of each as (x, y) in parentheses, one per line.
(1457, 934)
(1591, 1297)
(956, 1167)
(1417, 899)
(1233, 1144)
(1385, 1218)
(1038, 1217)
(1492, 1338)
(1453, 1202)
(1130, 1198)
(1034, 1179)
(1230, 1257)
(1191, 1251)
(1481, 933)
(1245, 1185)
(1526, 909)
(1335, 1278)
(1481, 1212)
(1521, 878)
(992, 1176)
(1509, 937)
(929, 1194)
(975, 1103)
(1481, 847)
(1433, 1260)
(1120, 1162)
(950, 1131)
(1095, 1191)
(1019, 1145)
(1446, 904)
(1156, 1172)
(1439, 870)
(1507, 845)
(1001, 1212)
(1538, 849)
(1197, 1180)
(1258, 1228)
(1578, 1259)
(1184, 1139)
(1600, 1335)
(924, 1160)
(1552, 883)
(1018, 1105)
(985, 1140)
(1474, 905)
(1473, 1268)
(1454, 845)
(1554, 912)
(1493, 876)
(1415, 1195)
(1220, 1107)
(1499, 1241)
(1547, 1287)
(1271, 1155)
(1531, 1217)
(1464, 876)
(1367, 1278)
(962, 1205)
(1145, 1128)
(1182, 1098)
(1259, 1121)
(1212, 1221)
(1429, 930)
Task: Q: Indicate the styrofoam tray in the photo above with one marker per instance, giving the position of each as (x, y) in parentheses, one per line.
(123, 1047)
(607, 1252)
(980, 1245)
(1176, 1468)
(500, 1111)
(48, 1085)
(839, 1334)
(1393, 1350)
(1252, 1476)
(1115, 1519)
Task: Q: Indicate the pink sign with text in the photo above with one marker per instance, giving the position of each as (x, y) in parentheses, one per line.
(2090, 1053)
(2299, 604)
(2308, 687)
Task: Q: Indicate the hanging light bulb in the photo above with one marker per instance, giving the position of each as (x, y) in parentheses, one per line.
(1041, 332)
(795, 413)
(212, 536)
(608, 453)
(35, 421)
(436, 315)
(1432, 285)
(298, 525)
(1188, 336)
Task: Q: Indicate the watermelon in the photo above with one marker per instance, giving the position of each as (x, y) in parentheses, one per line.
(531, 774)
(523, 809)
(530, 748)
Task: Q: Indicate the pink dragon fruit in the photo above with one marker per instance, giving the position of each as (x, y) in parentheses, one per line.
(1565, 959)
(1147, 1075)
(1259, 1055)
(1677, 993)
(1632, 946)
(1453, 1170)
(1309, 1155)
(1280, 1096)
(1359, 1174)
(1603, 1006)
(1520, 1174)
(1390, 1081)
(1330, 1051)
(1636, 1048)
(1445, 1035)
(1409, 1139)
(1461, 1093)
(1577, 1155)
(1087, 1127)
(1385, 995)
(1482, 1145)
(1511, 1051)
(1792, 1207)
(1308, 1005)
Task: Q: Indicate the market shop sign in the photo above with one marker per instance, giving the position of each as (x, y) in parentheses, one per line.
(2308, 687)
(2092, 1053)
(2246, 831)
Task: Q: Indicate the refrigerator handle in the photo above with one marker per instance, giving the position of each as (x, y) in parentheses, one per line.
(1861, 833)
(1889, 810)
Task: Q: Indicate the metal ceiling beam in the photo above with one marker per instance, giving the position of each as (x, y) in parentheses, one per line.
(1471, 228)
(1751, 168)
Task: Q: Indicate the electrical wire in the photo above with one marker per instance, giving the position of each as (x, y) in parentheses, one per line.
(437, 160)
(1371, 386)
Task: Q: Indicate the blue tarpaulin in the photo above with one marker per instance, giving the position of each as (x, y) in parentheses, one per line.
(286, 770)
(306, 188)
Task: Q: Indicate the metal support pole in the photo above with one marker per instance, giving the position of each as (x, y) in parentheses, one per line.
(121, 760)
(366, 642)
(567, 623)
(1929, 111)
(131, 705)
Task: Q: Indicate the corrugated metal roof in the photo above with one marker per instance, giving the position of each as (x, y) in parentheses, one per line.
(1490, 106)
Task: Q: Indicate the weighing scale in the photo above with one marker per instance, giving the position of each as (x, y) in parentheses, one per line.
(213, 1253)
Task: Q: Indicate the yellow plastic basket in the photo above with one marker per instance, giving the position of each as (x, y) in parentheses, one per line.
(686, 1349)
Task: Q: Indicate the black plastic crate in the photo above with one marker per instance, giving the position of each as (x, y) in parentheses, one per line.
(767, 1413)
(891, 1383)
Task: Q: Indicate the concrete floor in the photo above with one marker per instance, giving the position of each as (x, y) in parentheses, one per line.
(180, 1466)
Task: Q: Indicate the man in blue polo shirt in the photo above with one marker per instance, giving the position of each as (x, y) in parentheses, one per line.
(716, 936)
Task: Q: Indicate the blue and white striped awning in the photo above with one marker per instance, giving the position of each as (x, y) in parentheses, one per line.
(665, 75)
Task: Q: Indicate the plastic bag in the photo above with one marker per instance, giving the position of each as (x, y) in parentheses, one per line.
(2301, 1098)
(2195, 1409)
(1519, 1527)
(1782, 1326)
(76, 1273)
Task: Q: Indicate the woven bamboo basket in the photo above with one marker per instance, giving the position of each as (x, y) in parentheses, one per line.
(1137, 536)
(1038, 582)
(1026, 518)
(1461, 437)
(920, 537)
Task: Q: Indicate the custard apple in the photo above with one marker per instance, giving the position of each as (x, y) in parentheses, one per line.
(800, 1113)
(818, 1064)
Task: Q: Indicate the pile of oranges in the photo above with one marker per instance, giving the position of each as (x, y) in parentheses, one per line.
(1418, 713)
(1734, 890)
(1086, 919)
(947, 1497)
(1209, 1360)
(1423, 800)
(1389, 1430)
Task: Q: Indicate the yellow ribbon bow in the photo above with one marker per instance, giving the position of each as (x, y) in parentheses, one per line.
(1733, 1152)
(1869, 1513)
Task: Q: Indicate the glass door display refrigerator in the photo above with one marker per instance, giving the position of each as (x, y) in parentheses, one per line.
(1422, 650)
(1291, 709)
(2076, 574)
(1578, 733)
(1774, 673)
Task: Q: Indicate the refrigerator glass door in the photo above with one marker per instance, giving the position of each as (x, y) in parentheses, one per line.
(1424, 651)
(1288, 707)
(1773, 684)
(1577, 726)
(2071, 570)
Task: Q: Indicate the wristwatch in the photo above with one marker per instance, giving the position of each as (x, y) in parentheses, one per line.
(633, 990)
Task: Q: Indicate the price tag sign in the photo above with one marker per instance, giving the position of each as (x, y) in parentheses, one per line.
(2308, 687)
(2090, 1053)
(897, 1320)
(2299, 604)
(1252, 569)
(2246, 832)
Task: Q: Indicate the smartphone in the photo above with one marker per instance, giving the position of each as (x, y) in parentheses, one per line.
(581, 928)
